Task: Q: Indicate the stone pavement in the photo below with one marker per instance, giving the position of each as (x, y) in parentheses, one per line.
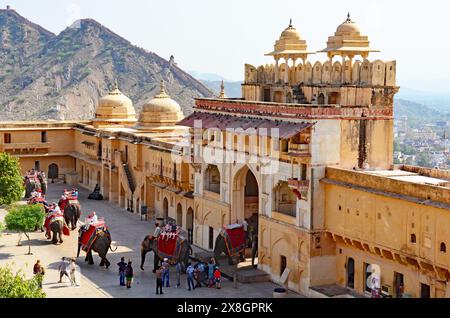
(127, 231)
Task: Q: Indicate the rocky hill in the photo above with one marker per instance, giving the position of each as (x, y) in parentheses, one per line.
(47, 76)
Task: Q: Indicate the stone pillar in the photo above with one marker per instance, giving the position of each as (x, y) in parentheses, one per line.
(286, 73)
(351, 69)
(343, 70)
(294, 79)
(277, 70)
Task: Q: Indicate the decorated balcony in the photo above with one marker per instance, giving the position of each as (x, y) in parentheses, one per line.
(26, 148)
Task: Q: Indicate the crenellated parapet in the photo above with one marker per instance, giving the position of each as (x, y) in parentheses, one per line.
(359, 73)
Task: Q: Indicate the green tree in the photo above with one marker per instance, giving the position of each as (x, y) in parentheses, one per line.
(11, 181)
(16, 286)
(24, 219)
(424, 160)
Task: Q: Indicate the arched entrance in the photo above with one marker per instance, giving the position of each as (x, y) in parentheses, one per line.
(351, 273)
(53, 171)
(245, 200)
(180, 215)
(165, 210)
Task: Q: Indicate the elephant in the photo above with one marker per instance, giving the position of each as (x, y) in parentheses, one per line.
(149, 245)
(57, 229)
(30, 187)
(221, 247)
(101, 245)
(72, 213)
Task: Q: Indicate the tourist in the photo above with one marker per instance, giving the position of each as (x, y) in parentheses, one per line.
(201, 274)
(159, 280)
(178, 268)
(190, 276)
(166, 271)
(129, 274)
(122, 266)
(39, 272)
(218, 277)
(73, 273)
(197, 275)
(211, 267)
(63, 268)
(157, 232)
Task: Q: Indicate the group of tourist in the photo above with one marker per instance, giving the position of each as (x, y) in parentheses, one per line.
(198, 275)
(125, 272)
(67, 267)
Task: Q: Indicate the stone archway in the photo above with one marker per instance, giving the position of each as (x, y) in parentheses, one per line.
(53, 171)
(245, 201)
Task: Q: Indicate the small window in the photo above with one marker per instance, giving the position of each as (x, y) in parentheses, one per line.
(7, 138)
(413, 238)
(443, 248)
(340, 208)
(43, 136)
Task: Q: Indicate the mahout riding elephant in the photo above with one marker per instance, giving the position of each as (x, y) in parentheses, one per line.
(101, 246)
(149, 245)
(72, 213)
(56, 228)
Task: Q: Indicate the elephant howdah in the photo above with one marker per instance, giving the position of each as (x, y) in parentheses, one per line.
(55, 224)
(234, 240)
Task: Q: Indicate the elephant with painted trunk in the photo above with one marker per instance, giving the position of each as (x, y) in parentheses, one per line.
(101, 245)
(148, 245)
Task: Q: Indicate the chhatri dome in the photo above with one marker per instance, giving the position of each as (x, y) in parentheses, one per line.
(290, 44)
(161, 111)
(115, 108)
(348, 41)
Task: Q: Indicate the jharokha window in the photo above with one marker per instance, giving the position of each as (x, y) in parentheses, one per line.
(7, 138)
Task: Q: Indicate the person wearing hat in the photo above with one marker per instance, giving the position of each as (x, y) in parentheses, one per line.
(166, 270)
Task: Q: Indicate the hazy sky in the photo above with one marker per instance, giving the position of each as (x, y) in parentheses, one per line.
(212, 36)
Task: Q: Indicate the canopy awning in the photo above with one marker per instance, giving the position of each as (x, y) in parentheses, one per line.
(246, 125)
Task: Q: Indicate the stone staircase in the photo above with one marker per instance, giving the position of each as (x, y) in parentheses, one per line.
(129, 176)
(298, 95)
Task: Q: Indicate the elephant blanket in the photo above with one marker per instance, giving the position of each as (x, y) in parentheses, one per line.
(89, 234)
(53, 218)
(234, 240)
(63, 203)
(169, 246)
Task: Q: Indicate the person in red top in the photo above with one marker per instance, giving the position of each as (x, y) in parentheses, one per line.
(217, 277)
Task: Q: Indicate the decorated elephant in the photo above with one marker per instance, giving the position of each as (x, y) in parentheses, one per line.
(31, 185)
(101, 245)
(72, 213)
(221, 247)
(149, 245)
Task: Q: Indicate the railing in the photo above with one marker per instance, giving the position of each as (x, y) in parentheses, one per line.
(301, 185)
(26, 146)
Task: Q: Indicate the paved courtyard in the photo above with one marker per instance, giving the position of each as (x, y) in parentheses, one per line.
(127, 231)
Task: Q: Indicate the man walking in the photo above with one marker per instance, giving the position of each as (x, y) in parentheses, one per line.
(190, 276)
(178, 268)
(122, 266)
(63, 267)
(73, 273)
(166, 272)
(159, 281)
